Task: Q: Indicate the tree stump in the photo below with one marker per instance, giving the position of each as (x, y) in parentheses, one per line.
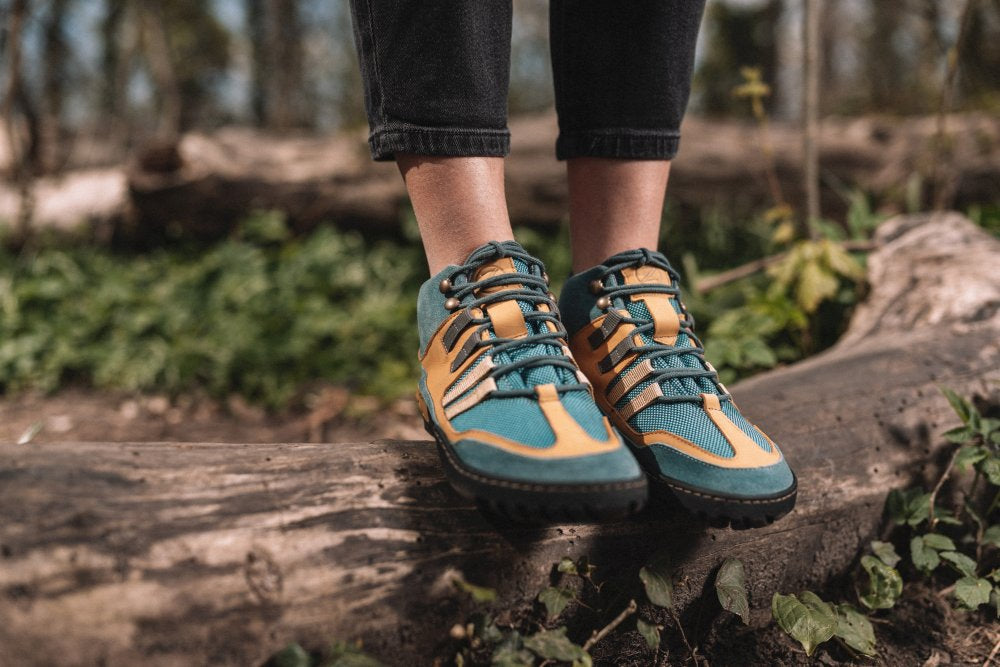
(177, 554)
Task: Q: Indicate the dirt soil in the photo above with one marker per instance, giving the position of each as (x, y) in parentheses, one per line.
(85, 416)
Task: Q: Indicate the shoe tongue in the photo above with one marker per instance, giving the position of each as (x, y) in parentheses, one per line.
(493, 265)
(664, 312)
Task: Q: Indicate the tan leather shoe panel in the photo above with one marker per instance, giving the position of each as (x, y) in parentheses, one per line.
(571, 440)
(507, 318)
(665, 319)
(589, 358)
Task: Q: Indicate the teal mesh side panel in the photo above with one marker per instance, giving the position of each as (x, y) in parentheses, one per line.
(674, 386)
(687, 420)
(730, 411)
(584, 410)
(518, 419)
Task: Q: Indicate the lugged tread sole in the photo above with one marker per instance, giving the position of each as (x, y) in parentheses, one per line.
(522, 502)
(722, 511)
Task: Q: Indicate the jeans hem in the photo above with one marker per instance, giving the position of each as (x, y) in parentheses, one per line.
(618, 143)
(451, 142)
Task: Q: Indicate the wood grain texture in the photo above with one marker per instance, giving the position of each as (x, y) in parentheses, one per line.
(179, 554)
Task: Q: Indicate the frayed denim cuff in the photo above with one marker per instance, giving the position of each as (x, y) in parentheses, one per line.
(443, 141)
(618, 143)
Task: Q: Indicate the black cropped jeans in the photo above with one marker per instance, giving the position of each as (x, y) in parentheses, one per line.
(436, 73)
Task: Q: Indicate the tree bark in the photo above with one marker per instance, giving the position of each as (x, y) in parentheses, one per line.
(166, 553)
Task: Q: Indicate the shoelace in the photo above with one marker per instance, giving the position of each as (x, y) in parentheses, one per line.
(533, 289)
(655, 350)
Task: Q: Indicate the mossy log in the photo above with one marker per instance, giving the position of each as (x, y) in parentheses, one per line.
(179, 554)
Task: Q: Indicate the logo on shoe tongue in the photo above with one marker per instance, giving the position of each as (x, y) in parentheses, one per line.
(495, 268)
(650, 274)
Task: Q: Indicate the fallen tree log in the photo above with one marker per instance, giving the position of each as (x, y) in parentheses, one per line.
(208, 182)
(167, 554)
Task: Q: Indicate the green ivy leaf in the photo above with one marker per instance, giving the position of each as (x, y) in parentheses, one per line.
(939, 542)
(991, 468)
(924, 557)
(649, 632)
(344, 654)
(958, 435)
(970, 455)
(961, 406)
(479, 594)
(855, 629)
(809, 621)
(655, 578)
(555, 601)
(292, 655)
(886, 553)
(965, 565)
(972, 591)
(511, 653)
(567, 566)
(554, 645)
(992, 535)
(908, 506)
(731, 588)
(884, 584)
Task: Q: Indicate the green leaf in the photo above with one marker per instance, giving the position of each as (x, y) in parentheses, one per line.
(886, 553)
(815, 285)
(292, 655)
(884, 584)
(965, 565)
(655, 578)
(958, 435)
(972, 591)
(731, 588)
(511, 653)
(649, 632)
(479, 594)
(939, 542)
(555, 600)
(344, 654)
(992, 535)
(991, 468)
(809, 621)
(924, 557)
(961, 407)
(855, 629)
(554, 645)
(567, 566)
(908, 506)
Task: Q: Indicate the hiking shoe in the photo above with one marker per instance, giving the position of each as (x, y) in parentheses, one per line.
(514, 419)
(633, 338)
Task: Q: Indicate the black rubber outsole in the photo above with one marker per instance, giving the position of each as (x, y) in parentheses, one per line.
(722, 511)
(522, 502)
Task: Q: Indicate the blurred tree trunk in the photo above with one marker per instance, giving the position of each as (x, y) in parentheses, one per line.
(260, 63)
(16, 102)
(161, 65)
(54, 79)
(285, 47)
(813, 11)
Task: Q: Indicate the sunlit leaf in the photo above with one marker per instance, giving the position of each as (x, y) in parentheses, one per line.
(972, 591)
(884, 584)
(810, 621)
(731, 588)
(554, 645)
(965, 565)
(555, 600)
(885, 552)
(855, 630)
(649, 632)
(961, 407)
(479, 593)
(924, 557)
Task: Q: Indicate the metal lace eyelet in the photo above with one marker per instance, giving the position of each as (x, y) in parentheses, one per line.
(596, 287)
(604, 303)
(451, 303)
(444, 286)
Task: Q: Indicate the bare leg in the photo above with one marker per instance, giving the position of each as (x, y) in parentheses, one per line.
(614, 205)
(459, 203)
